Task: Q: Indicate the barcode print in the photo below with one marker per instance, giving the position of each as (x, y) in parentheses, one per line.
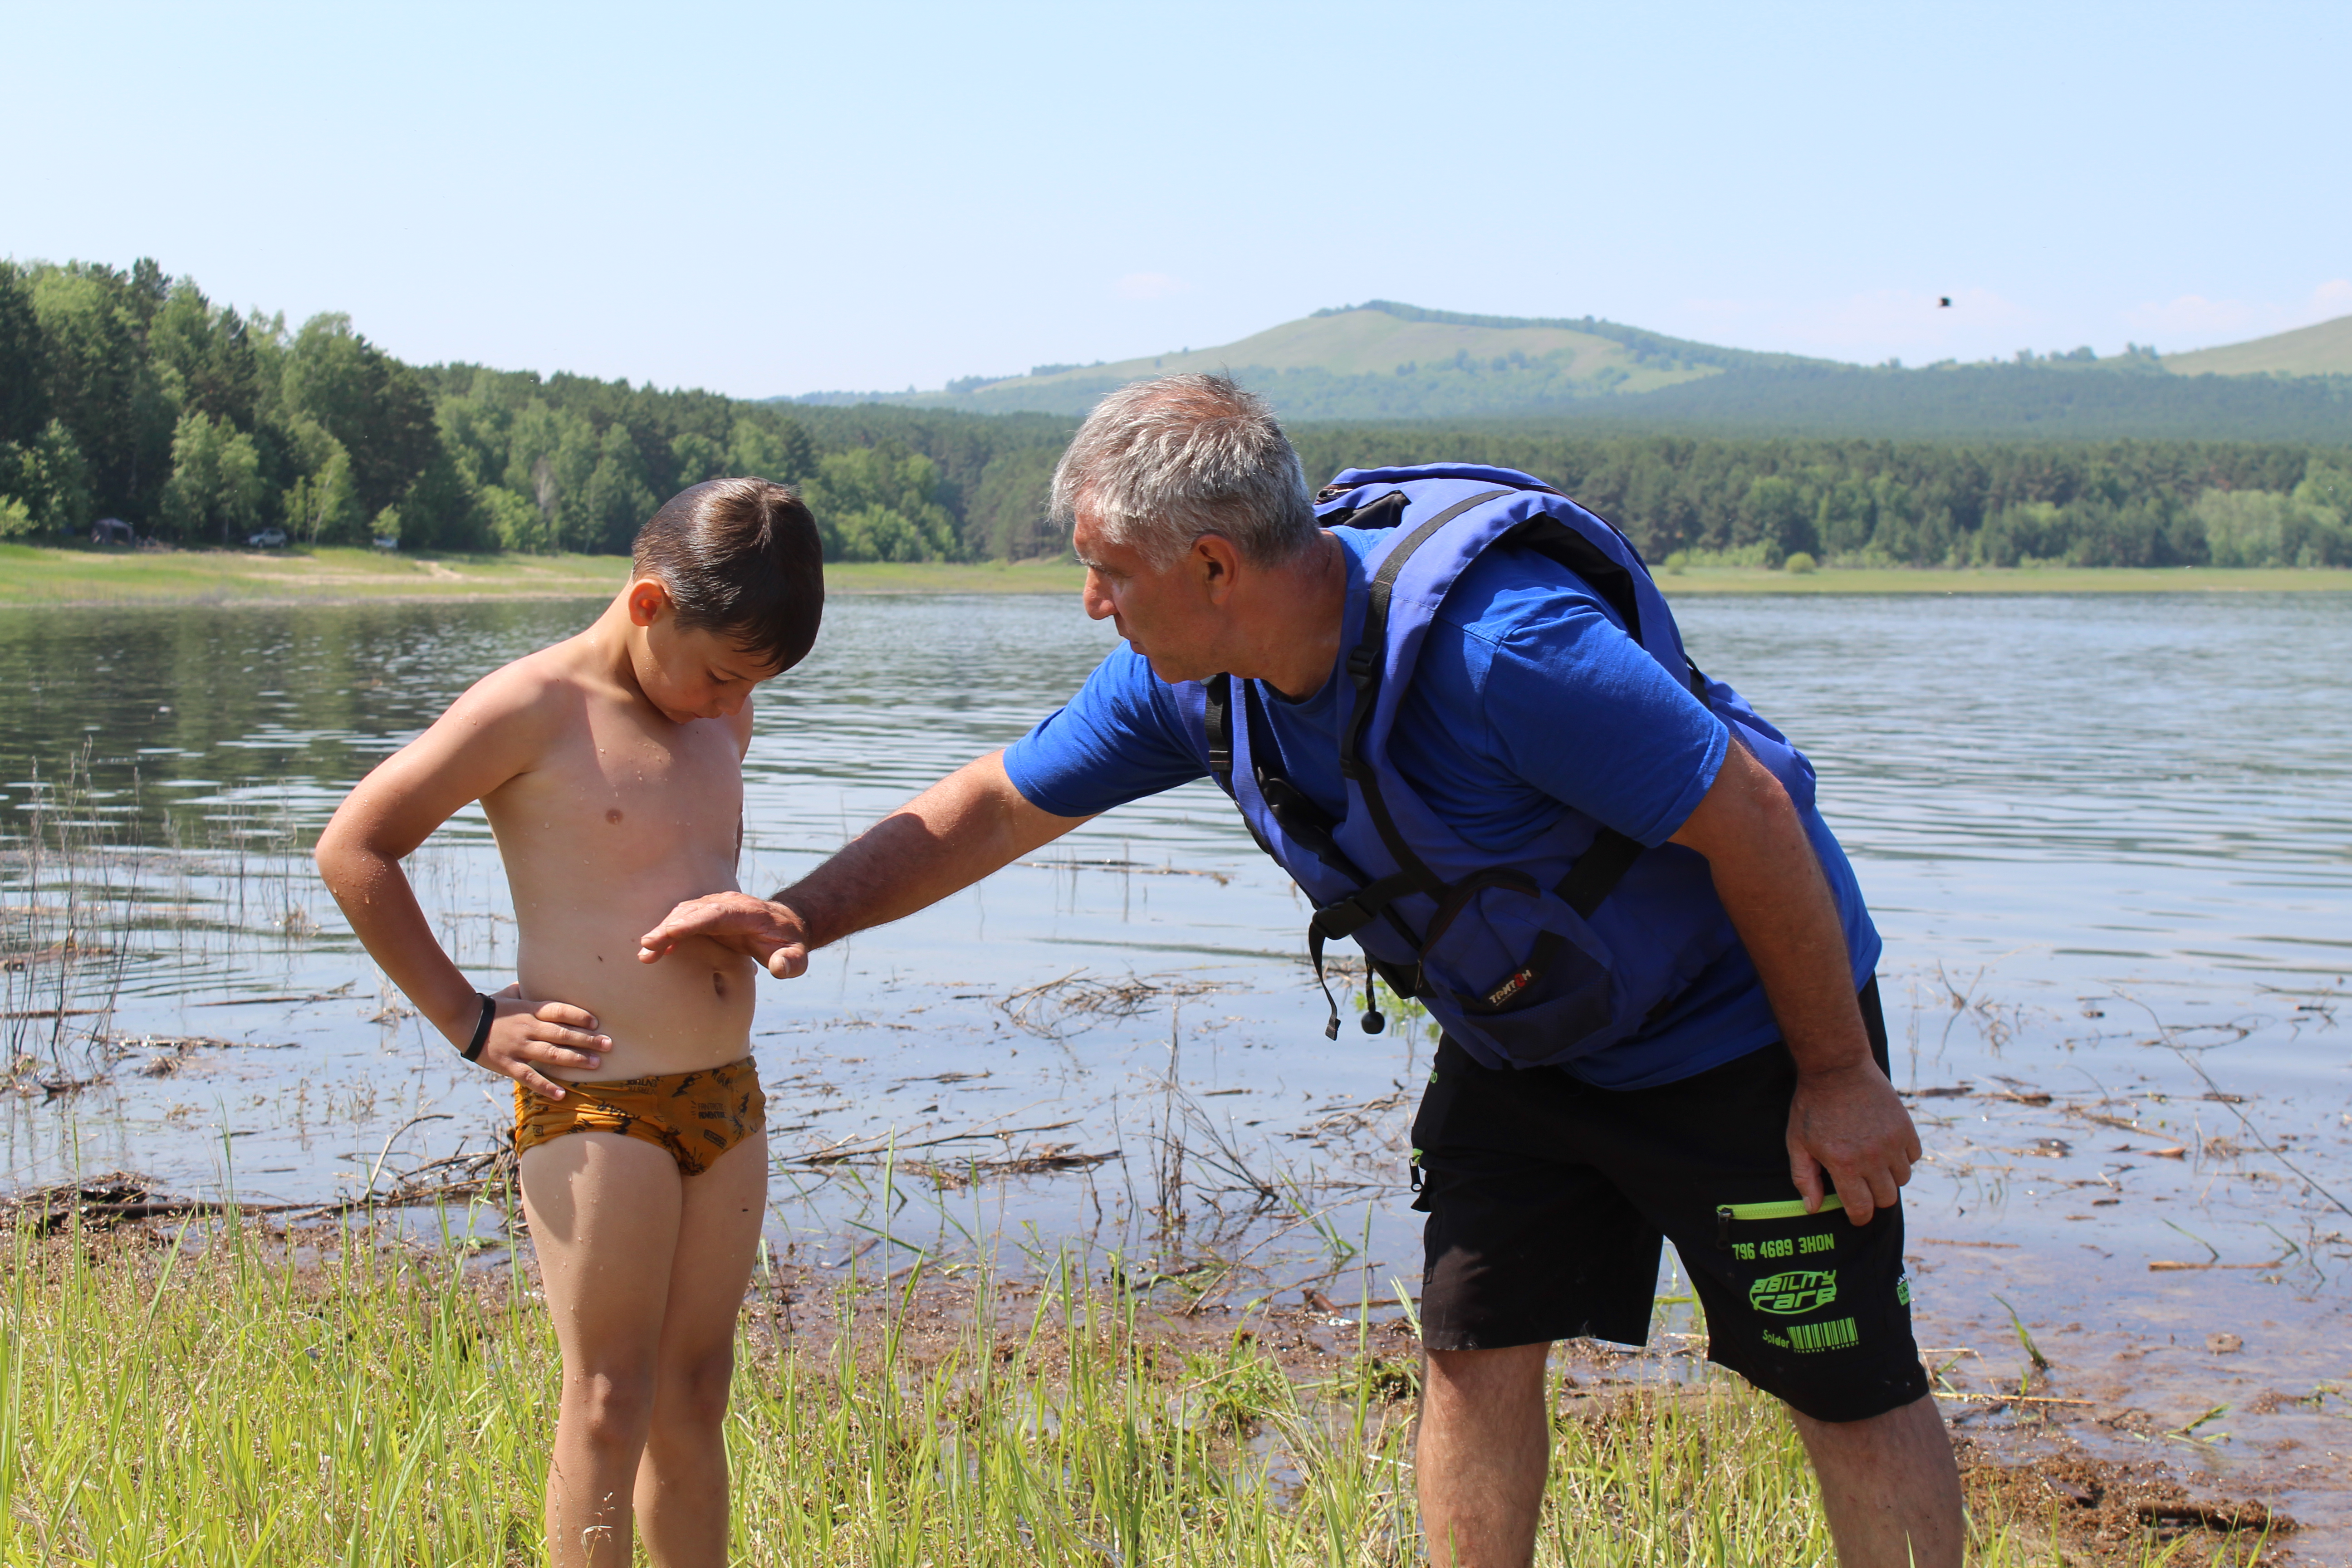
(1834, 1335)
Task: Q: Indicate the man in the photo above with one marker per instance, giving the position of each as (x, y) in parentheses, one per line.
(1684, 1041)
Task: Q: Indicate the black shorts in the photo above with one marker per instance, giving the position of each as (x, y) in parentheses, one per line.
(1548, 1198)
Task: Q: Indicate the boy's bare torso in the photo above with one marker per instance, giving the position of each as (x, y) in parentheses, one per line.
(625, 815)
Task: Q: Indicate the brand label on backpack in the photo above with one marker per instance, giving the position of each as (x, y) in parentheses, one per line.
(1510, 988)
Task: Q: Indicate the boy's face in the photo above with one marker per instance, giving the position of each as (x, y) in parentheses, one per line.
(688, 675)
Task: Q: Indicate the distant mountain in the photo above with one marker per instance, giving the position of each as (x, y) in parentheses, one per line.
(2322, 350)
(1387, 362)
(2045, 400)
(1382, 360)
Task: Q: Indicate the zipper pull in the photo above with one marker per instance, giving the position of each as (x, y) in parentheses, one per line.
(1723, 1226)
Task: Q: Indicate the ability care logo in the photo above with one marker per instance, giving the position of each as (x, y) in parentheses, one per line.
(1797, 1292)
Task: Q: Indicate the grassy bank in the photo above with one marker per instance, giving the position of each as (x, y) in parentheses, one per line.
(39, 574)
(254, 1403)
(2006, 580)
(43, 575)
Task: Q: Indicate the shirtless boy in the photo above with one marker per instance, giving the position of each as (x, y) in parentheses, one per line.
(610, 767)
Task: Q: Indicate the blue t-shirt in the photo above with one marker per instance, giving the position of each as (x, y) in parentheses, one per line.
(1528, 697)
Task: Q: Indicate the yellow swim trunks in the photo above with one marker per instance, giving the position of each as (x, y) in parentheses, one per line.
(697, 1116)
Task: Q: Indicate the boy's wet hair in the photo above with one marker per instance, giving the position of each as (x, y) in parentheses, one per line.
(741, 558)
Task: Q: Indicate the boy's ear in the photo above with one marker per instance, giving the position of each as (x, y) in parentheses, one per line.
(648, 600)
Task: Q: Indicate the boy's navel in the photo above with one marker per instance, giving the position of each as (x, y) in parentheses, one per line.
(613, 815)
(719, 984)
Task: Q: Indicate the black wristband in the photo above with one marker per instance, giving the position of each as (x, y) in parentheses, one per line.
(473, 1051)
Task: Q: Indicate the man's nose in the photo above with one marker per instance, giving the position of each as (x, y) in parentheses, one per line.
(1096, 599)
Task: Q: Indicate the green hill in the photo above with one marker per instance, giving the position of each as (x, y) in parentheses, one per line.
(2042, 401)
(1382, 360)
(2322, 350)
(1387, 362)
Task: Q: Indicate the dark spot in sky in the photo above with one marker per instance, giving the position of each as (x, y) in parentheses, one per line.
(613, 815)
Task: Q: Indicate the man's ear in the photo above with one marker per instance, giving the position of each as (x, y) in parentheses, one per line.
(1218, 563)
(648, 600)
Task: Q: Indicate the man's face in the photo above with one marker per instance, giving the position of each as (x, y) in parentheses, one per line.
(1166, 615)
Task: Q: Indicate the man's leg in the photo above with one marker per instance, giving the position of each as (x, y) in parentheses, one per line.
(1481, 1455)
(681, 1487)
(1890, 1487)
(604, 1212)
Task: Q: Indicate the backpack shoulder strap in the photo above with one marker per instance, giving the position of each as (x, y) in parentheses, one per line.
(1597, 871)
(1364, 664)
(1218, 713)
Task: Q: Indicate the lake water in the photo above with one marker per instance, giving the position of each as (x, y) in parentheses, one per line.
(2109, 839)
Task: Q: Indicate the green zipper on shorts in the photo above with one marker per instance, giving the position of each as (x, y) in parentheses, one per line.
(1786, 1208)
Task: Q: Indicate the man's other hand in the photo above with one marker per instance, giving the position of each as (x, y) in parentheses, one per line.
(771, 933)
(1850, 1122)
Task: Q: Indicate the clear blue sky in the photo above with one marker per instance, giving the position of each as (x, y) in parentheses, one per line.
(782, 198)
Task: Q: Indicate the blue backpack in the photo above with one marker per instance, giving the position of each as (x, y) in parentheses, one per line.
(1583, 934)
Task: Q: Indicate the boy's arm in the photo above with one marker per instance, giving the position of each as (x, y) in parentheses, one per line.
(495, 732)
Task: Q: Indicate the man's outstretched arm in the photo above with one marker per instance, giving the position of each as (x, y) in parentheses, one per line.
(1846, 1116)
(971, 823)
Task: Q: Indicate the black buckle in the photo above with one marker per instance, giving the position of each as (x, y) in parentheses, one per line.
(1342, 917)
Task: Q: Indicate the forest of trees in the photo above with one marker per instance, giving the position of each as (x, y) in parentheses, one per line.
(1917, 503)
(131, 395)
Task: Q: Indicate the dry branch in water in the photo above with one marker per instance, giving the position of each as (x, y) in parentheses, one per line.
(1056, 1010)
(1042, 1160)
(1132, 868)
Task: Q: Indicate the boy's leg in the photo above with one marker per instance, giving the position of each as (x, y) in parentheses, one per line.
(604, 1212)
(681, 1487)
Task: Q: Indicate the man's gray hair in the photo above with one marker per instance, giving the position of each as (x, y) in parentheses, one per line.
(1159, 463)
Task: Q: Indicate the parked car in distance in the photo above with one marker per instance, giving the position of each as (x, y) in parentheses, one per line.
(111, 530)
(267, 538)
(387, 541)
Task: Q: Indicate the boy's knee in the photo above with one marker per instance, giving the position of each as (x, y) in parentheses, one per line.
(694, 1391)
(614, 1409)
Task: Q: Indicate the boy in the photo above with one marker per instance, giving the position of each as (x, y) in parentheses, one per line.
(610, 767)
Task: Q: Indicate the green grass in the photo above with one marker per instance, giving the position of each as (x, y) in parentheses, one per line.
(219, 1401)
(42, 575)
(2007, 580)
(54, 575)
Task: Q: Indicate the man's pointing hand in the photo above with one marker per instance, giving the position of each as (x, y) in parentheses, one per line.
(969, 824)
(772, 933)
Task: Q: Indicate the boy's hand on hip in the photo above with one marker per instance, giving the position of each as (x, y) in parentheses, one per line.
(549, 1033)
(1850, 1122)
(771, 933)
